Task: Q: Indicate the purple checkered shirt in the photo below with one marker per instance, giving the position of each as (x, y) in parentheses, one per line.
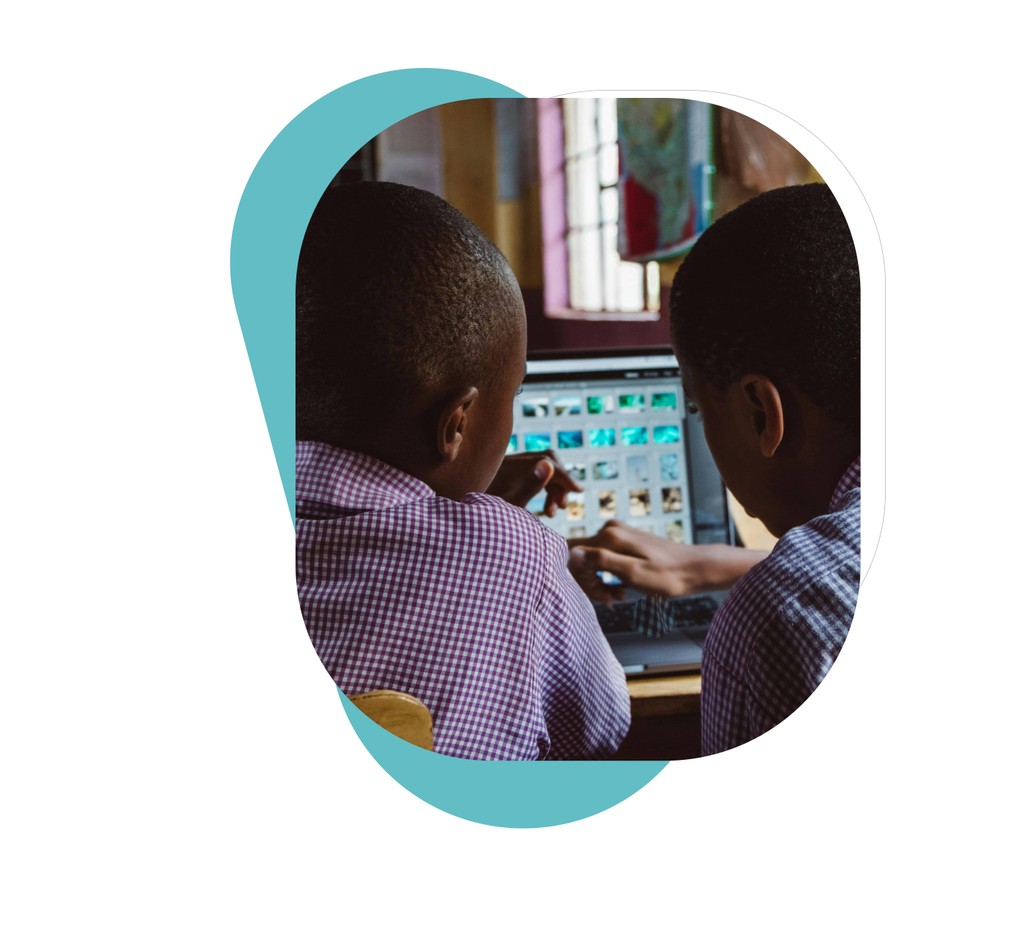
(782, 625)
(466, 605)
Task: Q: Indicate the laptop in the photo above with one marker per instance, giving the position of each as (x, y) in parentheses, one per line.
(617, 421)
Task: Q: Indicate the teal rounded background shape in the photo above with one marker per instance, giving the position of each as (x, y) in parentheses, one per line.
(271, 221)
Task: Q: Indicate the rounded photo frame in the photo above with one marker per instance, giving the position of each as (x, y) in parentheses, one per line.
(274, 210)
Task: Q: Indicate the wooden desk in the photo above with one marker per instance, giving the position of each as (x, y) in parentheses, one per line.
(666, 719)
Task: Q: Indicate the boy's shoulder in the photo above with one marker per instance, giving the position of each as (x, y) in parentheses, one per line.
(362, 491)
(803, 594)
(493, 519)
(809, 553)
(350, 481)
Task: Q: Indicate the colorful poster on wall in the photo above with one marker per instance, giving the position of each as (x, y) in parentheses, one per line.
(665, 176)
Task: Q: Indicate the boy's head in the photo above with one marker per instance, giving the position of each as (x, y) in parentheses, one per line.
(765, 320)
(410, 335)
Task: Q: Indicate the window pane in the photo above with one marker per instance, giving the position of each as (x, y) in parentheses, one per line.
(583, 136)
(590, 279)
(631, 287)
(610, 264)
(572, 193)
(570, 118)
(653, 286)
(587, 191)
(575, 268)
(609, 160)
(610, 205)
(607, 120)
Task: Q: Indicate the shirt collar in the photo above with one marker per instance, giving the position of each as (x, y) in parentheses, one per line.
(351, 480)
(849, 480)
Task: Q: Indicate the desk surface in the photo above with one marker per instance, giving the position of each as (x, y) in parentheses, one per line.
(666, 718)
(660, 695)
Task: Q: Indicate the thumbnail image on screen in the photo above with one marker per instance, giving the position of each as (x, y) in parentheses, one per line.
(634, 436)
(606, 503)
(536, 407)
(671, 500)
(669, 433)
(639, 502)
(637, 469)
(575, 508)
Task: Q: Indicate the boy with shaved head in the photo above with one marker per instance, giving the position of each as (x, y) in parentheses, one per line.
(765, 322)
(410, 348)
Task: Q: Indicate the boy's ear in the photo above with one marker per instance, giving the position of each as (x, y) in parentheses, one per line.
(451, 425)
(764, 402)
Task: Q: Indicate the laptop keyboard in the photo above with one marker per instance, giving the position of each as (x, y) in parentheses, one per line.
(690, 615)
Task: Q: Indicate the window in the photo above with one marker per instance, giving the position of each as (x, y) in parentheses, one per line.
(584, 274)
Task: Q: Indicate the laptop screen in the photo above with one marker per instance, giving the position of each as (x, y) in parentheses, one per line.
(617, 421)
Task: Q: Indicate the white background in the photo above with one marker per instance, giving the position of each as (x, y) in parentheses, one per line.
(176, 760)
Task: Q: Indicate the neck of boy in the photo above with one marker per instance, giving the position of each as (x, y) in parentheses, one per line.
(413, 450)
(806, 486)
(401, 448)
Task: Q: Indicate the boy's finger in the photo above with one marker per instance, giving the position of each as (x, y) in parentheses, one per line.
(565, 481)
(594, 587)
(529, 484)
(543, 471)
(560, 477)
(600, 559)
(525, 483)
(557, 499)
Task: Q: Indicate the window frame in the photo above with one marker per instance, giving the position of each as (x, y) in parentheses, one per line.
(555, 223)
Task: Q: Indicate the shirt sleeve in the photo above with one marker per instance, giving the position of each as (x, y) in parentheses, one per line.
(729, 714)
(581, 685)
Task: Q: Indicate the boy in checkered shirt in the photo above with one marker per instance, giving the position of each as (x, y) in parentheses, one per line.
(412, 573)
(765, 322)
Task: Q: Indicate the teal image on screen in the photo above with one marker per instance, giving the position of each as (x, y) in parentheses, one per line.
(602, 437)
(669, 433)
(537, 442)
(600, 404)
(536, 504)
(670, 466)
(634, 436)
(513, 444)
(631, 404)
(570, 439)
(663, 400)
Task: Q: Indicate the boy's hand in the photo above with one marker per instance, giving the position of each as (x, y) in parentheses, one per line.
(655, 565)
(522, 475)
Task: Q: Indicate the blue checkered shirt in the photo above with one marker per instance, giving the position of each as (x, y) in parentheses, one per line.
(466, 605)
(782, 625)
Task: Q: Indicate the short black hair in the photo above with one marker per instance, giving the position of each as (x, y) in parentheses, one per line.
(396, 292)
(774, 287)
